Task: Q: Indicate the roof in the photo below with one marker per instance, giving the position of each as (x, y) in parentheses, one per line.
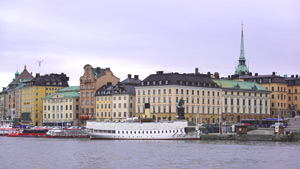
(115, 89)
(291, 81)
(239, 85)
(191, 79)
(72, 91)
(132, 81)
(69, 89)
(64, 94)
(52, 79)
(261, 78)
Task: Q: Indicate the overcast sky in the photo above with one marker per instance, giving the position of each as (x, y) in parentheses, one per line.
(143, 36)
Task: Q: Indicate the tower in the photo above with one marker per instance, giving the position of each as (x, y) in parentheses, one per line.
(242, 67)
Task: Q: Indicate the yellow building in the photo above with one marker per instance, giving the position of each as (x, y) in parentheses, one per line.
(33, 92)
(116, 102)
(293, 95)
(202, 96)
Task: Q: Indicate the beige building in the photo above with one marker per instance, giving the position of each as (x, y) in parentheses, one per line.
(90, 82)
(117, 102)
(164, 90)
(243, 100)
(62, 108)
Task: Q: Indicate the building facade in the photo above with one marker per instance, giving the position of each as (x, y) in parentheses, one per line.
(62, 108)
(163, 91)
(243, 100)
(33, 92)
(13, 90)
(3, 103)
(293, 95)
(90, 82)
(117, 102)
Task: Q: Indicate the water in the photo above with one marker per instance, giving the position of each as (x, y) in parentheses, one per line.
(84, 153)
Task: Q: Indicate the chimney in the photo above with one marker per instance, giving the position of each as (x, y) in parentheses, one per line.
(136, 76)
(98, 69)
(250, 73)
(292, 76)
(256, 74)
(228, 76)
(196, 71)
(273, 73)
(297, 76)
(208, 73)
(159, 72)
(129, 76)
(37, 75)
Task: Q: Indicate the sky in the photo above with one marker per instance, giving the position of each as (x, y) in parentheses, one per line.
(142, 37)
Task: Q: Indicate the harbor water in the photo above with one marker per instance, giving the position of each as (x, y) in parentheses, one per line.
(84, 153)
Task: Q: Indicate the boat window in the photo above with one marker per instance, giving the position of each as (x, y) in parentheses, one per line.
(139, 132)
(162, 131)
(158, 131)
(134, 132)
(126, 132)
(154, 132)
(118, 132)
(143, 132)
(130, 132)
(170, 131)
(150, 132)
(122, 132)
(146, 132)
(166, 131)
(173, 131)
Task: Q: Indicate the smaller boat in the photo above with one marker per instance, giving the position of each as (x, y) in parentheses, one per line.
(72, 132)
(6, 127)
(34, 132)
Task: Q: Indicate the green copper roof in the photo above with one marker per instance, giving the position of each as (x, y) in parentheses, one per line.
(64, 95)
(242, 85)
(242, 67)
(71, 88)
(68, 92)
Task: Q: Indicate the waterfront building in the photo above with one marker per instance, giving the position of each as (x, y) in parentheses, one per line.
(243, 100)
(117, 102)
(3, 103)
(33, 92)
(62, 107)
(164, 90)
(293, 95)
(13, 90)
(277, 85)
(90, 82)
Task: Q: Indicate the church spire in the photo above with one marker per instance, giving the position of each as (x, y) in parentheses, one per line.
(242, 67)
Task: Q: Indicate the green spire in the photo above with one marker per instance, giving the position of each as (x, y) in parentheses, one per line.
(242, 67)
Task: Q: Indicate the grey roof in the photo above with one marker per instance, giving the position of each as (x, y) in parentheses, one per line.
(261, 78)
(131, 81)
(49, 80)
(292, 81)
(191, 79)
(115, 89)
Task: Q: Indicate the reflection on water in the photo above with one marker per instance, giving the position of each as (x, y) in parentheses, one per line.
(84, 153)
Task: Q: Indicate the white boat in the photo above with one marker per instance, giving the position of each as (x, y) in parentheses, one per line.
(6, 127)
(165, 130)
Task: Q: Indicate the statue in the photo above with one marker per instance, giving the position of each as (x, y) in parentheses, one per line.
(181, 102)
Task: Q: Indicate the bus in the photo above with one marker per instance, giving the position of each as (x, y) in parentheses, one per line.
(250, 122)
(269, 122)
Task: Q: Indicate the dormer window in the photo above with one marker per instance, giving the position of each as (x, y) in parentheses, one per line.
(60, 83)
(186, 83)
(47, 83)
(154, 82)
(53, 83)
(167, 82)
(148, 83)
(142, 83)
(160, 82)
(180, 82)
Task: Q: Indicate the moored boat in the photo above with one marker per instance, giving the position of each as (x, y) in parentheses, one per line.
(35, 132)
(144, 128)
(67, 133)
